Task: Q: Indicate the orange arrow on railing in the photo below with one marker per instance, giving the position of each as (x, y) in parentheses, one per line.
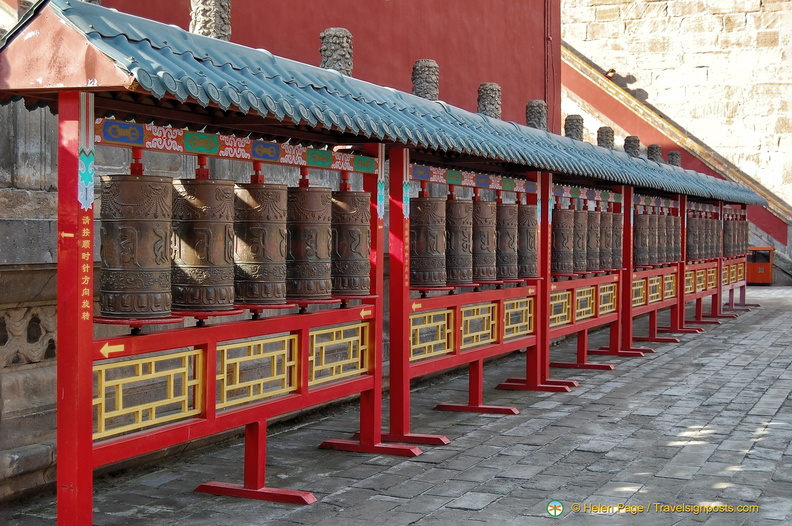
(364, 313)
(108, 349)
(416, 306)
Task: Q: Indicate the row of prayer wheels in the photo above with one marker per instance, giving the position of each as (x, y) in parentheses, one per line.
(208, 244)
(656, 238)
(459, 242)
(705, 237)
(586, 241)
(735, 235)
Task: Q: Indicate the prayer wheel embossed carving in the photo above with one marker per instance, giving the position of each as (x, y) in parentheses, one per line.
(135, 247)
(606, 240)
(641, 240)
(202, 274)
(563, 241)
(427, 242)
(593, 241)
(618, 231)
(459, 241)
(260, 244)
(728, 238)
(580, 232)
(676, 238)
(652, 257)
(484, 241)
(506, 252)
(527, 231)
(351, 266)
(693, 241)
(308, 259)
(709, 241)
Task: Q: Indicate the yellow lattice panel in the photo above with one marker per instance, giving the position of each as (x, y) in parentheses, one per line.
(669, 286)
(560, 308)
(690, 285)
(479, 325)
(608, 298)
(584, 303)
(639, 292)
(712, 278)
(431, 334)
(740, 271)
(518, 318)
(255, 370)
(134, 394)
(655, 292)
(701, 280)
(338, 352)
(733, 273)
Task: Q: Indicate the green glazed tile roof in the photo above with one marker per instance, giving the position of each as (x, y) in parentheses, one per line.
(169, 62)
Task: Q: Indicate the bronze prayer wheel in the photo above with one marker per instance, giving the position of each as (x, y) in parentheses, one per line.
(593, 240)
(506, 253)
(427, 242)
(308, 260)
(728, 238)
(676, 238)
(260, 244)
(641, 240)
(662, 239)
(606, 240)
(580, 232)
(135, 247)
(693, 241)
(653, 238)
(563, 240)
(484, 241)
(618, 231)
(202, 273)
(709, 242)
(351, 264)
(527, 231)
(459, 241)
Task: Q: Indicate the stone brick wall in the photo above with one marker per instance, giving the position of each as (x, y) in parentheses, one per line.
(722, 69)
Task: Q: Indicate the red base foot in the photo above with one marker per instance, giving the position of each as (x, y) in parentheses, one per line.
(704, 322)
(586, 365)
(657, 339)
(490, 409)
(416, 438)
(681, 330)
(270, 494)
(632, 352)
(549, 385)
(382, 449)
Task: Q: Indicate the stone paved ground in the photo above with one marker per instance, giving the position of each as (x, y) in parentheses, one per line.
(704, 421)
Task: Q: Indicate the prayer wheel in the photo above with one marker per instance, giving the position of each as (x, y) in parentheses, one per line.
(580, 231)
(350, 259)
(618, 231)
(728, 237)
(308, 259)
(506, 252)
(135, 247)
(459, 241)
(606, 240)
(641, 240)
(653, 230)
(709, 241)
(693, 240)
(527, 231)
(593, 241)
(260, 243)
(676, 238)
(662, 239)
(427, 242)
(563, 239)
(202, 273)
(484, 241)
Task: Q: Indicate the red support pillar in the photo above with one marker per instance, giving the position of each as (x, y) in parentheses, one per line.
(74, 383)
(537, 360)
(400, 304)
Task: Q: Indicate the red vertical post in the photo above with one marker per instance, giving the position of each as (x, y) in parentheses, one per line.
(537, 360)
(75, 308)
(255, 474)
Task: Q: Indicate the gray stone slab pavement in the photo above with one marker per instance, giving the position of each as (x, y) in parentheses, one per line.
(703, 422)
